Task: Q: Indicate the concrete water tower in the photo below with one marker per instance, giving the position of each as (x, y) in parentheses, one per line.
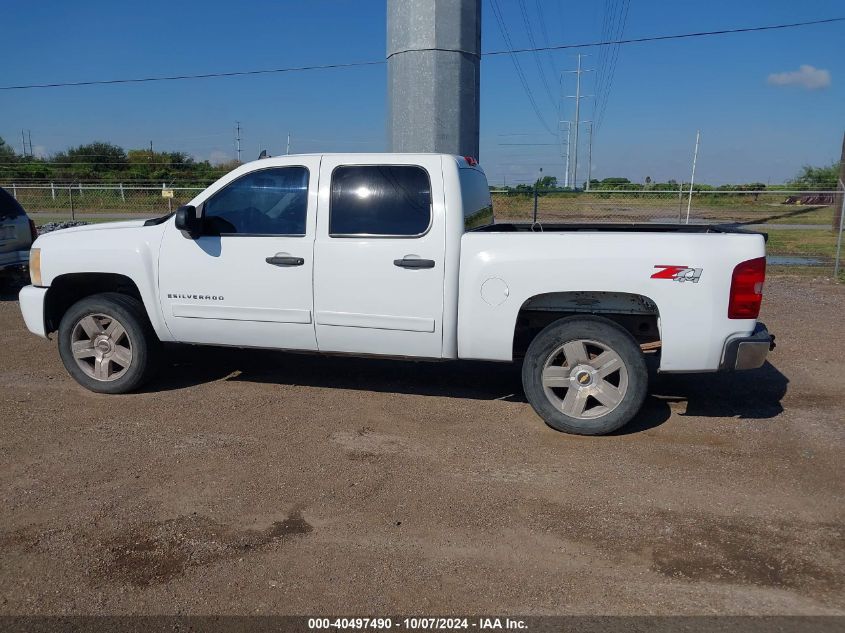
(433, 72)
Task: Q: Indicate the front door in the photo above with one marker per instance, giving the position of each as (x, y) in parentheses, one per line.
(379, 258)
(246, 281)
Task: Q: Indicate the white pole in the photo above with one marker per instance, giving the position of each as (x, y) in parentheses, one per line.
(839, 239)
(692, 178)
(590, 158)
(577, 123)
(568, 152)
(287, 150)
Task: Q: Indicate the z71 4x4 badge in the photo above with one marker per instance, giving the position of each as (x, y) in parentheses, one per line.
(678, 273)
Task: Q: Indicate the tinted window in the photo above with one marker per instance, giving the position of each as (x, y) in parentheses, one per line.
(9, 207)
(475, 195)
(380, 200)
(266, 202)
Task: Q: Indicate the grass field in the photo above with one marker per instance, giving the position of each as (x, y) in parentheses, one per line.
(633, 207)
(810, 242)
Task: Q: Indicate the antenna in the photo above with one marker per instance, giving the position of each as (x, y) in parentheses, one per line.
(692, 178)
(238, 139)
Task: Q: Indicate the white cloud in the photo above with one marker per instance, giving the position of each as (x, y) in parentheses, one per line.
(806, 76)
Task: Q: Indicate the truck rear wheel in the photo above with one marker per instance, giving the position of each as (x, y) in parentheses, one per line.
(585, 375)
(107, 343)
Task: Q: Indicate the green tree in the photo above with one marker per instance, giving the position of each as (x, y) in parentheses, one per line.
(6, 151)
(546, 182)
(817, 177)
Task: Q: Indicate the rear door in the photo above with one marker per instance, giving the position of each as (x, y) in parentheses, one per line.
(379, 257)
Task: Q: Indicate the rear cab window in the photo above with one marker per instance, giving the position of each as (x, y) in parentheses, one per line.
(476, 199)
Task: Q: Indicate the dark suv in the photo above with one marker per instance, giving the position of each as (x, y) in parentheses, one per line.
(17, 233)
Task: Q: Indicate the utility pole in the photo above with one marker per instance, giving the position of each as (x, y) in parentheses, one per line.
(577, 123)
(23, 144)
(433, 76)
(287, 151)
(577, 110)
(29, 134)
(568, 147)
(238, 139)
(151, 152)
(590, 157)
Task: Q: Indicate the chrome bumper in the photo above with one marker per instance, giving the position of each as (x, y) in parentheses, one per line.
(748, 352)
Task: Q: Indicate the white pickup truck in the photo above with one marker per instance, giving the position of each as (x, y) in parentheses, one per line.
(398, 255)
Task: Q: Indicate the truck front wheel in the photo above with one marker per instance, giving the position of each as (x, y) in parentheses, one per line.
(585, 375)
(107, 343)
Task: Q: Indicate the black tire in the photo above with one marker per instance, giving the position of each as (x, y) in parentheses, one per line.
(144, 344)
(609, 336)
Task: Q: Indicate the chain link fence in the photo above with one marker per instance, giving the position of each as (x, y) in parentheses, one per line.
(803, 226)
(67, 201)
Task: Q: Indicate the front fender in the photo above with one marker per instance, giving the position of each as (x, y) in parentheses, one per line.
(128, 251)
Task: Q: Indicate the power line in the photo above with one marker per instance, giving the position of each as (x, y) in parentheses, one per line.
(607, 33)
(544, 33)
(497, 11)
(659, 38)
(517, 51)
(239, 73)
(608, 87)
(530, 32)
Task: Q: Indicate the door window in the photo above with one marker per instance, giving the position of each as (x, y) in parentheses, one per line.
(386, 200)
(266, 202)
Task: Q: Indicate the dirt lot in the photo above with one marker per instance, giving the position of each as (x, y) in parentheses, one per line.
(252, 482)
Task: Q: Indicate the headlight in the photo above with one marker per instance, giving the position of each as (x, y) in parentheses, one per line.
(35, 266)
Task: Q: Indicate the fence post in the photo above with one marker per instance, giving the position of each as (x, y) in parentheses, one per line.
(14, 191)
(839, 239)
(70, 195)
(122, 194)
(680, 203)
(53, 190)
(80, 188)
(535, 204)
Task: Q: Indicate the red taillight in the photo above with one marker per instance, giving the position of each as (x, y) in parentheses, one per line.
(747, 289)
(470, 161)
(33, 231)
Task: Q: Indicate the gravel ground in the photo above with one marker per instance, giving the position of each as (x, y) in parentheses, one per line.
(257, 482)
(48, 227)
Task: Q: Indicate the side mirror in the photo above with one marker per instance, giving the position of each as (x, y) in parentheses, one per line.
(188, 222)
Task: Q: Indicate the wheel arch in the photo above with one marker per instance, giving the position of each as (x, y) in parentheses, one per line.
(638, 314)
(68, 288)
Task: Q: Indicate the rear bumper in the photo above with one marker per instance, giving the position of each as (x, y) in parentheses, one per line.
(14, 259)
(32, 307)
(748, 352)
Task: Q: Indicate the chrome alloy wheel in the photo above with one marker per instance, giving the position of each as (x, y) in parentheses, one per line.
(585, 379)
(101, 347)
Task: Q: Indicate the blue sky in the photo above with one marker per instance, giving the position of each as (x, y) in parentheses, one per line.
(753, 128)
